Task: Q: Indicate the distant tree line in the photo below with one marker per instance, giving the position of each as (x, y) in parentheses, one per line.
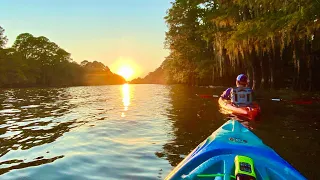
(156, 77)
(275, 42)
(36, 61)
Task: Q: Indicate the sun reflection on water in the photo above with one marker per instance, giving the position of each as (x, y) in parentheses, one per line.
(125, 97)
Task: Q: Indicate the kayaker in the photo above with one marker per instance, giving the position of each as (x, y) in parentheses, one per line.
(242, 94)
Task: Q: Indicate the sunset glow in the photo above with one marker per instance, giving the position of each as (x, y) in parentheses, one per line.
(126, 67)
(126, 96)
(125, 71)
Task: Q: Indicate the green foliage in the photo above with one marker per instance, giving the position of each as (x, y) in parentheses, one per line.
(228, 37)
(36, 61)
(11, 68)
(3, 38)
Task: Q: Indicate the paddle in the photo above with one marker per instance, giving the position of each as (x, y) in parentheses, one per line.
(295, 101)
(272, 99)
(207, 96)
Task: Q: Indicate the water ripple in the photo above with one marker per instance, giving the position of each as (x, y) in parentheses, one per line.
(81, 129)
(129, 131)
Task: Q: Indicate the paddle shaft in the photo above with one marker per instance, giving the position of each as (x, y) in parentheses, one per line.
(273, 99)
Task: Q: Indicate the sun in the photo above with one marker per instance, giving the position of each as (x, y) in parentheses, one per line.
(126, 72)
(126, 67)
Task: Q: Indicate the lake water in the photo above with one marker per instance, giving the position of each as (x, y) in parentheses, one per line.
(133, 131)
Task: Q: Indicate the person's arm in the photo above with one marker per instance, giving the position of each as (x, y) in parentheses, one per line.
(226, 94)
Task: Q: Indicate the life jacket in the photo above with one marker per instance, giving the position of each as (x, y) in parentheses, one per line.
(241, 95)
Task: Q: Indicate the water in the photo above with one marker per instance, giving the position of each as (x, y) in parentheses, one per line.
(133, 131)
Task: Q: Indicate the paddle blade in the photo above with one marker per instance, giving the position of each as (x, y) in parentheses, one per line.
(207, 96)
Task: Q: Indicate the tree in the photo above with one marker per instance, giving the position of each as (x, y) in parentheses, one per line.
(184, 40)
(36, 61)
(270, 40)
(47, 62)
(3, 38)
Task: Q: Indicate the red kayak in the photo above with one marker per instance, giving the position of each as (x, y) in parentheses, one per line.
(250, 112)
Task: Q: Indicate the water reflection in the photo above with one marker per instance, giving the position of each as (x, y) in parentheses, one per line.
(249, 124)
(126, 93)
(193, 120)
(31, 118)
(288, 129)
(75, 133)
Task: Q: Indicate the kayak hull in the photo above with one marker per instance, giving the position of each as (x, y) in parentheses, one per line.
(216, 155)
(250, 112)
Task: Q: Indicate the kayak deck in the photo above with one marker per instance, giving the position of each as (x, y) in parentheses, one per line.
(215, 157)
(249, 112)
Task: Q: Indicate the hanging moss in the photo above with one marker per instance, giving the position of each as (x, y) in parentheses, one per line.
(240, 34)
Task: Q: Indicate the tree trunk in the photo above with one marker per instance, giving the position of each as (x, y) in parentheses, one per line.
(296, 60)
(258, 71)
(264, 70)
(246, 13)
(271, 67)
(310, 72)
(254, 82)
(255, 69)
(262, 73)
(212, 75)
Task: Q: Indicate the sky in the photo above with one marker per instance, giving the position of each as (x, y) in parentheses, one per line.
(110, 31)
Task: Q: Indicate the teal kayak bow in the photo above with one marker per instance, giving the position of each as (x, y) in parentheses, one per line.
(234, 152)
